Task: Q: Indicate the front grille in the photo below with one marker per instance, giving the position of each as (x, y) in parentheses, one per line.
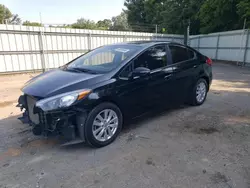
(34, 118)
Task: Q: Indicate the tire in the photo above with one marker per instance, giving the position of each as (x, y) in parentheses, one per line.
(194, 99)
(89, 126)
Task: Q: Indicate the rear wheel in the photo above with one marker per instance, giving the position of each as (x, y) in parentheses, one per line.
(199, 92)
(103, 124)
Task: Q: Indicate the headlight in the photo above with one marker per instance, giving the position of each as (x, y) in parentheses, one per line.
(62, 100)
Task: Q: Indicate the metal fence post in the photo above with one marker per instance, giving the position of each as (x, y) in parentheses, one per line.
(40, 39)
(199, 43)
(89, 42)
(124, 38)
(217, 46)
(246, 47)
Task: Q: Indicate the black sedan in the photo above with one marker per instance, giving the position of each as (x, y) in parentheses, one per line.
(89, 98)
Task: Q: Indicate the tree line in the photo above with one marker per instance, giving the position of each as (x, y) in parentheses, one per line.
(203, 16)
(163, 16)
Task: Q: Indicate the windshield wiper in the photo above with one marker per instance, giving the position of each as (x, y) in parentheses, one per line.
(72, 70)
(75, 69)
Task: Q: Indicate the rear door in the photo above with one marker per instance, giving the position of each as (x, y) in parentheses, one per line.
(186, 68)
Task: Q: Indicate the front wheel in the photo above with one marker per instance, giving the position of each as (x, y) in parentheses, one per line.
(199, 93)
(103, 124)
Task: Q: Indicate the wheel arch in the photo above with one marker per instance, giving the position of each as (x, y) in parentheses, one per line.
(107, 99)
(207, 80)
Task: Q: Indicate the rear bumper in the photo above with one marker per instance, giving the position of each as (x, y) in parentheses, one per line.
(61, 122)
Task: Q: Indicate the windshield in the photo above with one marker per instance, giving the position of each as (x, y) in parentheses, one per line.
(103, 59)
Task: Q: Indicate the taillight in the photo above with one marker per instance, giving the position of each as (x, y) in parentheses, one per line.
(209, 61)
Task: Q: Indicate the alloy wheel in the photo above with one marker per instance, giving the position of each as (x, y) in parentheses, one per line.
(201, 91)
(105, 125)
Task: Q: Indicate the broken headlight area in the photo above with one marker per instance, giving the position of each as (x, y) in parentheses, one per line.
(62, 101)
(64, 122)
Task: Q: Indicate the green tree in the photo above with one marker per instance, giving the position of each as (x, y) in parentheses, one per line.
(244, 11)
(144, 15)
(28, 23)
(173, 16)
(153, 10)
(178, 14)
(135, 11)
(120, 23)
(5, 14)
(104, 24)
(170, 15)
(219, 15)
(153, 16)
(7, 17)
(84, 24)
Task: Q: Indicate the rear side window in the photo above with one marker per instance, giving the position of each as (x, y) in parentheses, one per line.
(180, 54)
(190, 54)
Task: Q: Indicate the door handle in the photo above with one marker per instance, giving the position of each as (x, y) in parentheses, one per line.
(139, 77)
(168, 70)
(168, 76)
(195, 66)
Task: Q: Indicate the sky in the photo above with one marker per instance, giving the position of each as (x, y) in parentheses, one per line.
(64, 11)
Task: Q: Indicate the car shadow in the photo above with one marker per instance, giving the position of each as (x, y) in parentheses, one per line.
(17, 139)
(14, 134)
(155, 113)
(132, 124)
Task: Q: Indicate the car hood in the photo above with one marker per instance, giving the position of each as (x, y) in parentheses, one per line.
(59, 81)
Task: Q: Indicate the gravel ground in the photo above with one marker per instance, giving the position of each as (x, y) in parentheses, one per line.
(206, 146)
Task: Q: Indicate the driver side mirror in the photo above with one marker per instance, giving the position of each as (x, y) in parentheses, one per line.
(140, 72)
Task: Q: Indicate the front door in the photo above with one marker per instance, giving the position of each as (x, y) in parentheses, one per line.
(132, 92)
(160, 81)
(141, 94)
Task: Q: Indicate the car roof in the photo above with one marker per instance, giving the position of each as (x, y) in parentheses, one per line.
(147, 43)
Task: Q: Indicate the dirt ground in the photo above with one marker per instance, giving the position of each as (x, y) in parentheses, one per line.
(194, 147)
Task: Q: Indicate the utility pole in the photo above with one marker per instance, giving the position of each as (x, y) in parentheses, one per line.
(245, 23)
(156, 31)
(40, 38)
(243, 32)
(40, 14)
(188, 31)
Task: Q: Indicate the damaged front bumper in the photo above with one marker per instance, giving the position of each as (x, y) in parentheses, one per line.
(68, 123)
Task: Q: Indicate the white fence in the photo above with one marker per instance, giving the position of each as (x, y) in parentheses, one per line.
(25, 48)
(227, 46)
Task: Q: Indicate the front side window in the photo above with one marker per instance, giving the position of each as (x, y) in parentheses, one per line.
(154, 58)
(104, 59)
(180, 54)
